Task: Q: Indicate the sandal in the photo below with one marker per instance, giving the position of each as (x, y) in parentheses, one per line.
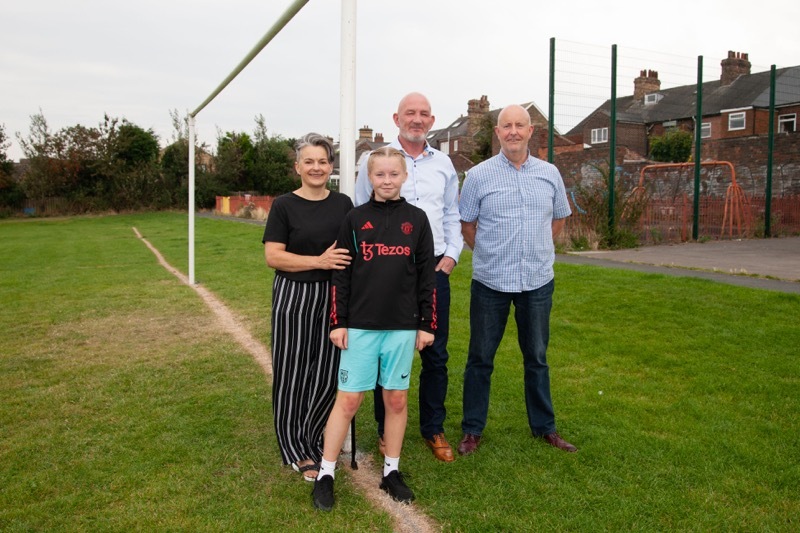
(305, 468)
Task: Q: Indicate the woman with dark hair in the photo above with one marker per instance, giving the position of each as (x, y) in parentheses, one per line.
(300, 244)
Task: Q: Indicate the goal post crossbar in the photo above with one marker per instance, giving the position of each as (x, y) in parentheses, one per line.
(284, 19)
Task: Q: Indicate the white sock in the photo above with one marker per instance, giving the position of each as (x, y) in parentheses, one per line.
(327, 468)
(389, 464)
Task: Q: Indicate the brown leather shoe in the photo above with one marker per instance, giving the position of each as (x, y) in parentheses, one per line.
(441, 448)
(555, 440)
(468, 444)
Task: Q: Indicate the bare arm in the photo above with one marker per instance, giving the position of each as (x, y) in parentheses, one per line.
(331, 259)
(558, 225)
(468, 230)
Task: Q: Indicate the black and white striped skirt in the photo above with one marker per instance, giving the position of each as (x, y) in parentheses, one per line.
(304, 365)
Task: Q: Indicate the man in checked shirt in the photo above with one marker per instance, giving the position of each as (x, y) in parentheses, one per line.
(512, 206)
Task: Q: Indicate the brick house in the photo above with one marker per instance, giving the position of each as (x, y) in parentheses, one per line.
(736, 105)
(458, 140)
(364, 145)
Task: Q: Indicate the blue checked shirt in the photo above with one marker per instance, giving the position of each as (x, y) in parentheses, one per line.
(514, 209)
(432, 185)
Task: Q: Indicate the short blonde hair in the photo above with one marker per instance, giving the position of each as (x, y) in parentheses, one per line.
(386, 151)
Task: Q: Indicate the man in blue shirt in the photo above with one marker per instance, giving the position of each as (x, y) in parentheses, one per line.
(512, 206)
(432, 185)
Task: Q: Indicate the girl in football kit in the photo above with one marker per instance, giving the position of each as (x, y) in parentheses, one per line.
(382, 308)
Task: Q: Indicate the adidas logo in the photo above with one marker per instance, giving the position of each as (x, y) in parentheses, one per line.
(368, 225)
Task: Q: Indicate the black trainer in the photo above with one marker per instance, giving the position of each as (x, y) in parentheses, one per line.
(323, 493)
(396, 487)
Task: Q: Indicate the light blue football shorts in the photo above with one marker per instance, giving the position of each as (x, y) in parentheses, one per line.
(377, 356)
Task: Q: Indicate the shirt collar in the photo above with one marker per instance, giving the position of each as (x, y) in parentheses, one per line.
(507, 161)
(426, 152)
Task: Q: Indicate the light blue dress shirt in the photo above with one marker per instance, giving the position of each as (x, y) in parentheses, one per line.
(432, 185)
(514, 209)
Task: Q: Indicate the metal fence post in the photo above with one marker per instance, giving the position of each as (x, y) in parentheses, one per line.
(698, 128)
(552, 105)
(612, 141)
(770, 149)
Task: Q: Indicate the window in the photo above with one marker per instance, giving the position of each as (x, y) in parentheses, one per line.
(652, 98)
(705, 130)
(444, 147)
(599, 135)
(787, 123)
(455, 145)
(736, 121)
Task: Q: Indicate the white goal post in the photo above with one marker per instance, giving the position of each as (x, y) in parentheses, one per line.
(347, 97)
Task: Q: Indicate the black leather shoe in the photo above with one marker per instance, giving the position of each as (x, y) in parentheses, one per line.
(555, 440)
(468, 444)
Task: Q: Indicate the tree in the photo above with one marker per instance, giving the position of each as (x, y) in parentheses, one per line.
(75, 165)
(180, 126)
(135, 146)
(132, 170)
(175, 169)
(175, 173)
(6, 165)
(235, 161)
(675, 146)
(11, 194)
(114, 165)
(38, 150)
(483, 140)
(273, 168)
(60, 164)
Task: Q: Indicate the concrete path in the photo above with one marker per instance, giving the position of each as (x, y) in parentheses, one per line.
(772, 264)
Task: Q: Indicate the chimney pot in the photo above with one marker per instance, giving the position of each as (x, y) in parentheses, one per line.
(734, 66)
(646, 83)
(365, 133)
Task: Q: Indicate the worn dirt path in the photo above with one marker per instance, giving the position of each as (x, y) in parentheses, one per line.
(407, 518)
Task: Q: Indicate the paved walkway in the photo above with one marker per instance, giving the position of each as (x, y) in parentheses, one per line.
(772, 264)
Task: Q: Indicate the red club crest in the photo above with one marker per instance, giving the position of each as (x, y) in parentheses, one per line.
(407, 228)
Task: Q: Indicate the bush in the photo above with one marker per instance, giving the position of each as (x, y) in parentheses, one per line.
(629, 205)
(675, 146)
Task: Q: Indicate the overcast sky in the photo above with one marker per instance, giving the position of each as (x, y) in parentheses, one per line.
(78, 60)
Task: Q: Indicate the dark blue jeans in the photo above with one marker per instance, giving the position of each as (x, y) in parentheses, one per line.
(488, 315)
(433, 378)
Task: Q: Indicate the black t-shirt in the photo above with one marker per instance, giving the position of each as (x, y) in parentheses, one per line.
(306, 227)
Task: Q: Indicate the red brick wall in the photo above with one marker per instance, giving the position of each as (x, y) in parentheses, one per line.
(747, 154)
(749, 157)
(238, 202)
